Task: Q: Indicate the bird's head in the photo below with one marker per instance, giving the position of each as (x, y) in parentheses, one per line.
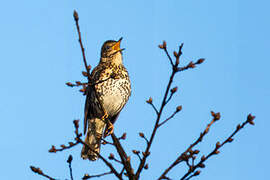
(111, 51)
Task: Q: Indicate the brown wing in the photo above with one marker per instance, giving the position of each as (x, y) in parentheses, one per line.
(86, 108)
(91, 108)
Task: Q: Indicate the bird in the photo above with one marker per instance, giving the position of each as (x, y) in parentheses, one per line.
(108, 93)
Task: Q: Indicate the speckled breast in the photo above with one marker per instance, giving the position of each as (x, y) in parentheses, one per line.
(114, 93)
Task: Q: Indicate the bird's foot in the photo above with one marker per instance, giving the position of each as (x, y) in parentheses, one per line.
(109, 129)
(105, 116)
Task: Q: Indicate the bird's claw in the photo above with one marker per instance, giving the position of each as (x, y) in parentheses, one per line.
(109, 129)
(105, 116)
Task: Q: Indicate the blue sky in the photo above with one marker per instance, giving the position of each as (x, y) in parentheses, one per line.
(40, 52)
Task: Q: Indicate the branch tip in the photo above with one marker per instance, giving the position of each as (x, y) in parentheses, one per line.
(200, 61)
(150, 101)
(173, 90)
(250, 119)
(164, 44)
(70, 158)
(141, 135)
(75, 15)
(178, 108)
(135, 152)
(197, 173)
(216, 116)
(175, 54)
(146, 166)
(70, 84)
(111, 157)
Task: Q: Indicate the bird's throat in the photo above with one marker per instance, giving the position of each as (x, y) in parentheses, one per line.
(116, 59)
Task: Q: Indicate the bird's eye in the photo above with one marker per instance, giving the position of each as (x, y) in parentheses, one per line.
(107, 47)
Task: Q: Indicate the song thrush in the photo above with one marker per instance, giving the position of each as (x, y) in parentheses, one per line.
(106, 98)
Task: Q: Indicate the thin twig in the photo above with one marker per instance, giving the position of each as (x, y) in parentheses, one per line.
(63, 147)
(173, 91)
(194, 174)
(104, 142)
(190, 65)
(111, 157)
(139, 157)
(154, 107)
(150, 101)
(78, 83)
(137, 153)
(123, 137)
(160, 124)
(164, 46)
(39, 171)
(143, 136)
(86, 176)
(76, 18)
(170, 97)
(69, 161)
(122, 171)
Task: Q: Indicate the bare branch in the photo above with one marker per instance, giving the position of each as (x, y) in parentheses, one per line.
(70, 158)
(104, 142)
(143, 136)
(189, 153)
(86, 176)
(137, 153)
(194, 174)
(122, 171)
(174, 71)
(63, 147)
(111, 157)
(79, 83)
(191, 65)
(173, 91)
(179, 108)
(249, 120)
(124, 158)
(150, 101)
(76, 18)
(164, 47)
(39, 171)
(123, 137)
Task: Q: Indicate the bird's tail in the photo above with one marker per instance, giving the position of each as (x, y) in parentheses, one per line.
(93, 138)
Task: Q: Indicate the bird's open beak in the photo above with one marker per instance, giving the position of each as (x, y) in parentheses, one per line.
(117, 45)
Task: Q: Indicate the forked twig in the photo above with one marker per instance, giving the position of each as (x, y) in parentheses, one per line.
(164, 101)
(185, 156)
(200, 164)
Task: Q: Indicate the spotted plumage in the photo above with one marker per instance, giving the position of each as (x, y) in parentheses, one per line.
(112, 89)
